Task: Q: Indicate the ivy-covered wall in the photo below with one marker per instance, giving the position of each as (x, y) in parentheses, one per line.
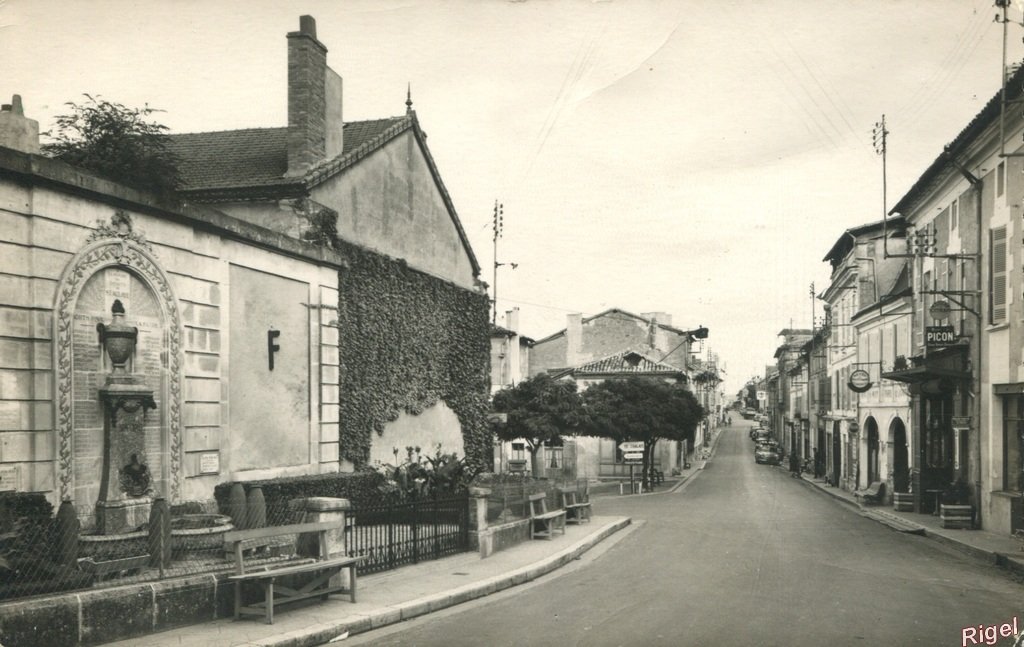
(406, 341)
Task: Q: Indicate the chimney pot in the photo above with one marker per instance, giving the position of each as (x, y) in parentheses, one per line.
(307, 25)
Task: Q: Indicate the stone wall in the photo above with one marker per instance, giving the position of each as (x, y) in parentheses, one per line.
(216, 285)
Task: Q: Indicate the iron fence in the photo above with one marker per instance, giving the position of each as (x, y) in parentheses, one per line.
(388, 536)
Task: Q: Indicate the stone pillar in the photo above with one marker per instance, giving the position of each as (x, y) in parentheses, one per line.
(479, 538)
(322, 508)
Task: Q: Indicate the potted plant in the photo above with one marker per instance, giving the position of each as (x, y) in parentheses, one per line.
(955, 508)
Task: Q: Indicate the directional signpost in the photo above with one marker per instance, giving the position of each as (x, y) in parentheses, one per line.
(632, 454)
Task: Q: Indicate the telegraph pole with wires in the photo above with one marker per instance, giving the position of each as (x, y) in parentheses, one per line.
(879, 136)
(498, 225)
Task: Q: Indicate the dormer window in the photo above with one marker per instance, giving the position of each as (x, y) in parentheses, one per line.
(632, 359)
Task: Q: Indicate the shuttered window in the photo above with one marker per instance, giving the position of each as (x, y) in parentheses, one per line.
(997, 276)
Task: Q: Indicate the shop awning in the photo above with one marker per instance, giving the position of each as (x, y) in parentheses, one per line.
(920, 374)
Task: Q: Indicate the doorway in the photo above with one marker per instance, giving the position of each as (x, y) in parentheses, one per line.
(900, 455)
(872, 437)
(837, 457)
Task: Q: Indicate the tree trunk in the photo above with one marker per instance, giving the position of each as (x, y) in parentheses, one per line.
(536, 464)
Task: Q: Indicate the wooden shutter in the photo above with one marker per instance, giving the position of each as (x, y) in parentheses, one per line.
(997, 283)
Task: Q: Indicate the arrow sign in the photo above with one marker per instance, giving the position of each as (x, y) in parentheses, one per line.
(632, 446)
(633, 456)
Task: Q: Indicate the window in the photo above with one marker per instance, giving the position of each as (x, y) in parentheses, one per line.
(1000, 179)
(519, 451)
(1013, 440)
(954, 212)
(997, 276)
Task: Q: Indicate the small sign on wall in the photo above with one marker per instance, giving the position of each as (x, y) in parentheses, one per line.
(10, 478)
(209, 463)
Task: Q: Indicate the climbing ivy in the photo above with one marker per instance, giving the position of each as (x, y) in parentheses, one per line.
(406, 341)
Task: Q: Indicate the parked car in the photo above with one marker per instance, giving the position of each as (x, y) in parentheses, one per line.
(767, 455)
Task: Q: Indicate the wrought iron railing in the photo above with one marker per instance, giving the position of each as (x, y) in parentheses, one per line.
(391, 535)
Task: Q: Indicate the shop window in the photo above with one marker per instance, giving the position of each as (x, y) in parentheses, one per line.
(1013, 443)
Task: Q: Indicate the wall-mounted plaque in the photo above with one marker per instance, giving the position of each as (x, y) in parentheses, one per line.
(209, 463)
(10, 478)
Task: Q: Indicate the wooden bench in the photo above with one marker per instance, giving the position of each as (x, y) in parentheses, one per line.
(874, 493)
(542, 522)
(246, 543)
(577, 510)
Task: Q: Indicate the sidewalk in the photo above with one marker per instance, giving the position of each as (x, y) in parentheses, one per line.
(388, 598)
(1002, 550)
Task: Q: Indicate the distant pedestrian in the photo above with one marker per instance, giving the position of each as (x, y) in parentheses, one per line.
(794, 465)
(818, 465)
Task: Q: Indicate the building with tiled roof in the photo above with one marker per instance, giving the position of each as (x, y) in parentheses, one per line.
(628, 363)
(376, 177)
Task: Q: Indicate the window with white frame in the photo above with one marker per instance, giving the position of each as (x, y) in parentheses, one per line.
(954, 213)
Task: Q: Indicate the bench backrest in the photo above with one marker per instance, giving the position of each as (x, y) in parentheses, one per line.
(874, 488)
(538, 504)
(235, 539)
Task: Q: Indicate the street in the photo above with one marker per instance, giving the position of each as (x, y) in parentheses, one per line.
(743, 555)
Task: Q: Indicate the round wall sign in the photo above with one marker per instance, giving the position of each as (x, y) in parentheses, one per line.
(940, 310)
(860, 381)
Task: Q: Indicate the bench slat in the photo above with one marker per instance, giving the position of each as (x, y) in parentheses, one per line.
(275, 531)
(291, 569)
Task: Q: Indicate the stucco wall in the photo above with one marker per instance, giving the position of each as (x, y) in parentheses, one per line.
(390, 203)
(438, 423)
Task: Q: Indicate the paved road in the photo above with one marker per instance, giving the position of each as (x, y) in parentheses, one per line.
(744, 555)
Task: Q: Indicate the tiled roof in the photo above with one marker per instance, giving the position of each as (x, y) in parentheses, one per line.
(231, 158)
(986, 117)
(253, 157)
(626, 362)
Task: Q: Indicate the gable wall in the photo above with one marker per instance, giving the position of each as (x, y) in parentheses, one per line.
(390, 203)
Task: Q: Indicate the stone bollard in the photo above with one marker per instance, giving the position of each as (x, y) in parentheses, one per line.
(322, 508)
(479, 538)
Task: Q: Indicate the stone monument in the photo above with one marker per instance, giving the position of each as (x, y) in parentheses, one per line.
(126, 483)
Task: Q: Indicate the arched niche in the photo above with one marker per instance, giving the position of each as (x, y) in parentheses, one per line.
(115, 263)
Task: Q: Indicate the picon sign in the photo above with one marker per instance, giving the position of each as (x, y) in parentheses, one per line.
(860, 381)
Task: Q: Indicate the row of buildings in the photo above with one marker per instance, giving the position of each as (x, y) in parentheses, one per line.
(915, 375)
(613, 344)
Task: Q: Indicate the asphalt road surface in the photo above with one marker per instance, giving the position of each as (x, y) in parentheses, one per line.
(743, 555)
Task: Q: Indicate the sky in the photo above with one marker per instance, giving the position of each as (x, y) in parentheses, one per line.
(694, 157)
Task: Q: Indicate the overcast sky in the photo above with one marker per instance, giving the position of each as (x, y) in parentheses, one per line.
(692, 157)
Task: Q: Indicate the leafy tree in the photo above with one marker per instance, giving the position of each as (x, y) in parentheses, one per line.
(642, 409)
(539, 409)
(116, 142)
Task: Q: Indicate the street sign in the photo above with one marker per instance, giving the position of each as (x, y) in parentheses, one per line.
(633, 456)
(632, 446)
(939, 336)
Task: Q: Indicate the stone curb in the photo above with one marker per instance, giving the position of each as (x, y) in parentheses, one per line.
(1002, 560)
(322, 633)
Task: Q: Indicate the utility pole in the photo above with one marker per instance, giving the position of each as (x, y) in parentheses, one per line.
(498, 225)
(878, 136)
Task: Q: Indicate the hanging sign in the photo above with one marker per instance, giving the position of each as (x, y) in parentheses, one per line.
(940, 336)
(860, 381)
(632, 446)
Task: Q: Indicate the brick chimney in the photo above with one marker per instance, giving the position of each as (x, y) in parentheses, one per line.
(16, 131)
(310, 83)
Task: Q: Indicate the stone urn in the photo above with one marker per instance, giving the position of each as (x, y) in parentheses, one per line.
(118, 338)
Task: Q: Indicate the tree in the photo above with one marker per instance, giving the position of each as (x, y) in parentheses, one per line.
(642, 409)
(116, 142)
(539, 409)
